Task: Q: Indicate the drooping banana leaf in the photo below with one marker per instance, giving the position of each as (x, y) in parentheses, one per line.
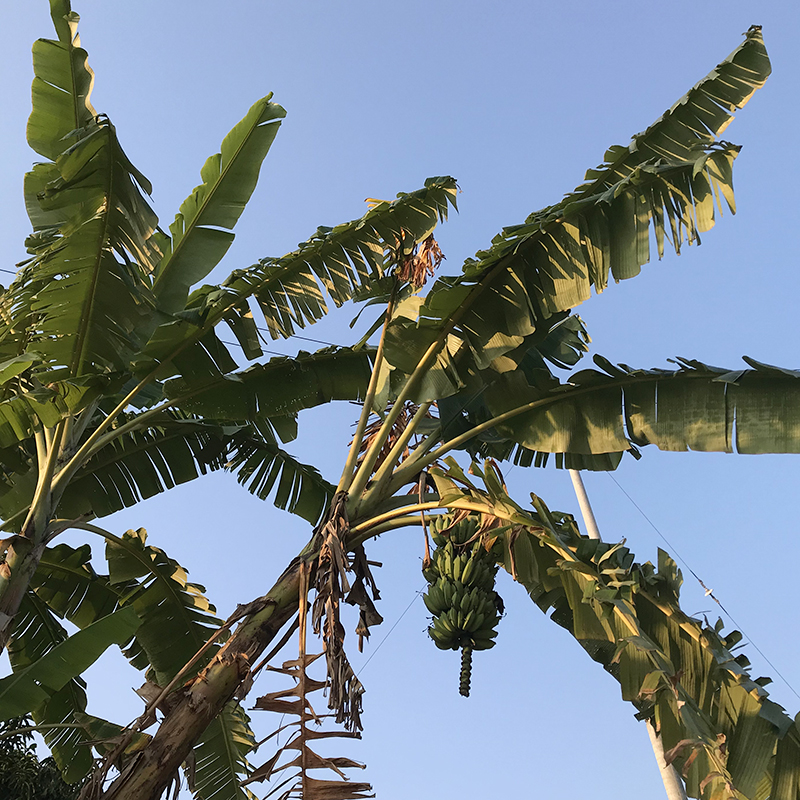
(197, 243)
(220, 756)
(669, 665)
(289, 291)
(667, 179)
(176, 618)
(176, 622)
(262, 466)
(36, 633)
(278, 387)
(241, 415)
(598, 415)
(726, 732)
(66, 581)
(31, 686)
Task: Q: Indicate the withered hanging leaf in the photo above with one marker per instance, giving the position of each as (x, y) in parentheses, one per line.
(308, 759)
(331, 585)
(421, 263)
(301, 786)
(358, 596)
(335, 790)
(264, 771)
(315, 734)
(279, 706)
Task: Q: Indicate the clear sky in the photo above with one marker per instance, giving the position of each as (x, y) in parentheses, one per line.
(515, 99)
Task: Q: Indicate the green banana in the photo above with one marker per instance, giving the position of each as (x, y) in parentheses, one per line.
(460, 593)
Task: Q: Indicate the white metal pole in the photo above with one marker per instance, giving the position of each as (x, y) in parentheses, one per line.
(669, 775)
(672, 781)
(592, 531)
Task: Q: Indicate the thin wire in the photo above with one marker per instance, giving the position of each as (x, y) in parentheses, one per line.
(389, 632)
(263, 350)
(708, 591)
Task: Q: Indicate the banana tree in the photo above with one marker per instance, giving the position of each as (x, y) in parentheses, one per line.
(106, 407)
(104, 350)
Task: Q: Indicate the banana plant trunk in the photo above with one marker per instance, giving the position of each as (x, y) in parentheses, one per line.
(21, 560)
(149, 773)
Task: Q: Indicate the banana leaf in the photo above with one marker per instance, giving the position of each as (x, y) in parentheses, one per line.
(602, 413)
(723, 730)
(176, 618)
(198, 241)
(36, 633)
(289, 291)
(220, 756)
(667, 179)
(31, 686)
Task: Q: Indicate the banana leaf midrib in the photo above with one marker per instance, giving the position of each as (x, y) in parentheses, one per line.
(82, 338)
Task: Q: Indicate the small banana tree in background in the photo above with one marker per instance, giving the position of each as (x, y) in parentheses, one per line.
(116, 386)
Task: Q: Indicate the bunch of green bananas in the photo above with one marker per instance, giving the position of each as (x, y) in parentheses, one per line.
(461, 593)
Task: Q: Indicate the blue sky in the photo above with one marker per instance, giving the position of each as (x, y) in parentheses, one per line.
(515, 100)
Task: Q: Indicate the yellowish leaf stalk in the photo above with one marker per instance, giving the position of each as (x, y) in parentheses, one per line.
(352, 457)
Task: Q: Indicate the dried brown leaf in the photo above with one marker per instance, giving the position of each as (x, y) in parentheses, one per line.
(279, 706)
(690, 759)
(264, 771)
(708, 778)
(335, 790)
(674, 752)
(423, 262)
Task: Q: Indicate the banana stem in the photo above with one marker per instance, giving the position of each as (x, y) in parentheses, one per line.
(384, 473)
(365, 529)
(352, 457)
(40, 504)
(403, 474)
(361, 478)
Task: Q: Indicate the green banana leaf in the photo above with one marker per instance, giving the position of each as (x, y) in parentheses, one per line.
(36, 633)
(668, 178)
(604, 413)
(61, 87)
(31, 686)
(66, 581)
(261, 467)
(676, 670)
(176, 622)
(176, 618)
(289, 291)
(220, 756)
(278, 387)
(23, 411)
(197, 244)
(79, 300)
